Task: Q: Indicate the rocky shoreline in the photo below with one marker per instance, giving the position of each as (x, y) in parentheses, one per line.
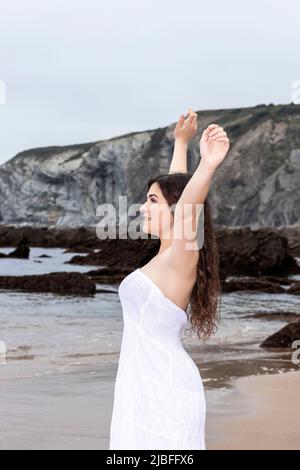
(257, 260)
(236, 241)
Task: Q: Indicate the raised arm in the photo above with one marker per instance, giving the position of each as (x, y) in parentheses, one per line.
(184, 131)
(214, 145)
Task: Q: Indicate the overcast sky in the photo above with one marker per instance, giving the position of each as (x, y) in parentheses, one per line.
(81, 71)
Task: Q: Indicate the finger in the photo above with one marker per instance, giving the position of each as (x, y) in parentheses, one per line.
(217, 135)
(191, 112)
(215, 131)
(221, 139)
(209, 129)
(180, 120)
(206, 131)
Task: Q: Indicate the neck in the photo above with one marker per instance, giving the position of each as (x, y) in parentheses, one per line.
(164, 245)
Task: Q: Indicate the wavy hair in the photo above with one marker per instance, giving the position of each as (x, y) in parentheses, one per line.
(205, 301)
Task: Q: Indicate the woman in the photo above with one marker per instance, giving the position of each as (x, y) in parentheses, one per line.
(159, 400)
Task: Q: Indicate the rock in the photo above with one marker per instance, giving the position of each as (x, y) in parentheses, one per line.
(79, 249)
(122, 255)
(108, 275)
(251, 285)
(277, 279)
(106, 291)
(59, 237)
(22, 251)
(254, 252)
(274, 316)
(57, 282)
(242, 251)
(284, 337)
(294, 289)
(292, 234)
(257, 184)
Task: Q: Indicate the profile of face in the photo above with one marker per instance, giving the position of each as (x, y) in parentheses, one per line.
(156, 213)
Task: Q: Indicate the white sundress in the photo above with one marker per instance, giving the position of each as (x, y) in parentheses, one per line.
(159, 400)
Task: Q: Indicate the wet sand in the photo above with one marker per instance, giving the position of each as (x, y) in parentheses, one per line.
(64, 410)
(263, 412)
(72, 409)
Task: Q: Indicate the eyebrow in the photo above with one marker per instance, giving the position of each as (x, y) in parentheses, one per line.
(149, 195)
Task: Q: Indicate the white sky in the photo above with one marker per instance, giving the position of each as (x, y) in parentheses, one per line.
(81, 71)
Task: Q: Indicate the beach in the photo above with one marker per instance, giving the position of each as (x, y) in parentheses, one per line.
(65, 410)
(263, 413)
(72, 410)
(62, 353)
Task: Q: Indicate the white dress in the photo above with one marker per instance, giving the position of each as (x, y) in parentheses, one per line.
(159, 400)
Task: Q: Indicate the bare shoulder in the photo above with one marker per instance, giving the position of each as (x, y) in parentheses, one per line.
(176, 284)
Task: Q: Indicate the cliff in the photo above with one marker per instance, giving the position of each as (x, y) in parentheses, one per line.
(257, 184)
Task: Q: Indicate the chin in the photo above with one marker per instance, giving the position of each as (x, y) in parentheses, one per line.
(146, 229)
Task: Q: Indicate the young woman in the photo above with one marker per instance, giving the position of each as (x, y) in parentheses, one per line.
(159, 400)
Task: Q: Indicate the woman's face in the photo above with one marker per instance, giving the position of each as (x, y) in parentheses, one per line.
(157, 216)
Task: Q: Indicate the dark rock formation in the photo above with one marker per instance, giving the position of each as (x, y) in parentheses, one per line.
(22, 250)
(243, 252)
(285, 281)
(274, 316)
(254, 284)
(256, 185)
(294, 289)
(122, 255)
(254, 252)
(292, 234)
(58, 282)
(284, 337)
(11, 235)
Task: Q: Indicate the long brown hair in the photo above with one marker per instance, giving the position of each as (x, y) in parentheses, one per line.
(205, 301)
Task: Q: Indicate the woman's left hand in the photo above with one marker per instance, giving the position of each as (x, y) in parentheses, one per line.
(214, 145)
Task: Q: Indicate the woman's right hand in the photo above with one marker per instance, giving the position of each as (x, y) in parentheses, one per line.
(186, 127)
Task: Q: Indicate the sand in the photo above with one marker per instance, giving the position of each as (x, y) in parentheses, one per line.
(66, 410)
(72, 410)
(263, 413)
